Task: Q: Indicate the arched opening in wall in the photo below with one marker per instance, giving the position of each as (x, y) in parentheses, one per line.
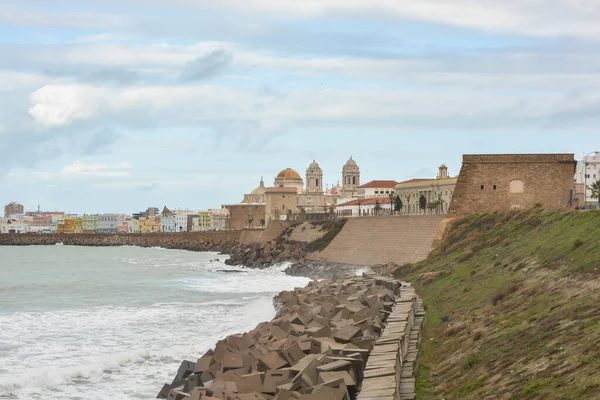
(354, 180)
(517, 186)
(317, 183)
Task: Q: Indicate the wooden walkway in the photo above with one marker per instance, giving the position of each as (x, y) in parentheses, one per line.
(392, 366)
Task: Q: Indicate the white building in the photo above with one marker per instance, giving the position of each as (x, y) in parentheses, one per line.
(588, 172)
(168, 224)
(133, 226)
(377, 189)
(364, 207)
(108, 223)
(181, 222)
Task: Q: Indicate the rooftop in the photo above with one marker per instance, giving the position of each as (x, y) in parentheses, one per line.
(380, 184)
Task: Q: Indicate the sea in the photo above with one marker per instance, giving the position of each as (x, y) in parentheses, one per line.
(116, 322)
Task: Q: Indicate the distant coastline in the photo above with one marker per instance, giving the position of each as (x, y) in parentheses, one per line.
(222, 242)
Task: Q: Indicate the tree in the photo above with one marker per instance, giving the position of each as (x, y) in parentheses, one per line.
(262, 222)
(377, 207)
(398, 206)
(595, 188)
(422, 202)
(250, 220)
(391, 196)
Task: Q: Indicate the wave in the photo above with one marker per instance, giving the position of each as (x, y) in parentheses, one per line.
(53, 377)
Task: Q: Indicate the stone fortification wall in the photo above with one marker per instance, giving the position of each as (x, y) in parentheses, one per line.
(329, 340)
(221, 241)
(513, 181)
(372, 241)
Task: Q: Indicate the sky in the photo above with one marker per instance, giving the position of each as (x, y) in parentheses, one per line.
(116, 106)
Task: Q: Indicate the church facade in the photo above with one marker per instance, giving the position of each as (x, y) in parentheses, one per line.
(308, 194)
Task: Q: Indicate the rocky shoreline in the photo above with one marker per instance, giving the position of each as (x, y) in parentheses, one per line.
(333, 339)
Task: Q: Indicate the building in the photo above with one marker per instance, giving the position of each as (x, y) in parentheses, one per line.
(13, 209)
(152, 212)
(350, 179)
(108, 223)
(219, 218)
(181, 222)
(280, 203)
(514, 181)
(90, 223)
(244, 215)
(168, 222)
(310, 196)
(202, 221)
(364, 207)
(438, 193)
(376, 189)
(133, 226)
(150, 225)
(70, 225)
(588, 172)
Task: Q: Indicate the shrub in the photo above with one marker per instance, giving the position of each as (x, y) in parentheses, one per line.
(471, 361)
(498, 298)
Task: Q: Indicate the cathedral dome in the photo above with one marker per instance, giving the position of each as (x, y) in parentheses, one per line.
(289, 174)
(260, 189)
(314, 165)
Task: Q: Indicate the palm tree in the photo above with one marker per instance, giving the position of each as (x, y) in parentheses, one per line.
(391, 196)
(595, 188)
(422, 202)
(377, 207)
(398, 206)
(262, 222)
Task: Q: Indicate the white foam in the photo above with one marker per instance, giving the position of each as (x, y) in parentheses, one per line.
(103, 350)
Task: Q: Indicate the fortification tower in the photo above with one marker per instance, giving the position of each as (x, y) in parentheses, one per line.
(314, 178)
(350, 178)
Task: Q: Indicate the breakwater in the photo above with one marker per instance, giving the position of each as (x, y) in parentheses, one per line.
(336, 339)
(221, 241)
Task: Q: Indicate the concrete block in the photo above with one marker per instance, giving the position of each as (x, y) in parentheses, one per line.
(232, 361)
(272, 360)
(293, 354)
(250, 383)
(275, 378)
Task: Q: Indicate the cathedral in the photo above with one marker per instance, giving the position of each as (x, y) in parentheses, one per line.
(310, 195)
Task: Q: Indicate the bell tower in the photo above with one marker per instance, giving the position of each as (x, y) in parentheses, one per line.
(314, 178)
(350, 178)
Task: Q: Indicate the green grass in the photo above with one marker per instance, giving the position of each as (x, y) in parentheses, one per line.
(512, 307)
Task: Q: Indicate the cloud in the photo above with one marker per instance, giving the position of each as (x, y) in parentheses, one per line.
(101, 142)
(206, 66)
(60, 105)
(545, 18)
(79, 168)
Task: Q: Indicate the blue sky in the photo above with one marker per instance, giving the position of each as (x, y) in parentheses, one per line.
(115, 106)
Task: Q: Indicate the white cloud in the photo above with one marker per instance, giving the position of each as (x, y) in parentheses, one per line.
(576, 18)
(79, 168)
(212, 105)
(60, 105)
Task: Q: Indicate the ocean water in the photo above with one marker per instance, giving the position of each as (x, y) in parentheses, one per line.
(115, 323)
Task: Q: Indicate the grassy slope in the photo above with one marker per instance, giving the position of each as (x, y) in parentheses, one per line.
(513, 308)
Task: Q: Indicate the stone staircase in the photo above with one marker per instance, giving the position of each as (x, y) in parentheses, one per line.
(380, 240)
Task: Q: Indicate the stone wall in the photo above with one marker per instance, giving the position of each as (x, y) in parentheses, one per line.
(222, 241)
(513, 181)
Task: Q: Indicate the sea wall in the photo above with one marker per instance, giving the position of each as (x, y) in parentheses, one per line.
(337, 339)
(371, 241)
(219, 241)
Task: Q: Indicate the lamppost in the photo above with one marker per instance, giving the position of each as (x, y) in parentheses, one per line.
(585, 188)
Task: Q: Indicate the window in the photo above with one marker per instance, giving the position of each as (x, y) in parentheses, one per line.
(354, 180)
(482, 187)
(495, 187)
(283, 207)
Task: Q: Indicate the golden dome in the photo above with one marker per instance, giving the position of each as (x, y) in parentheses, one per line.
(289, 174)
